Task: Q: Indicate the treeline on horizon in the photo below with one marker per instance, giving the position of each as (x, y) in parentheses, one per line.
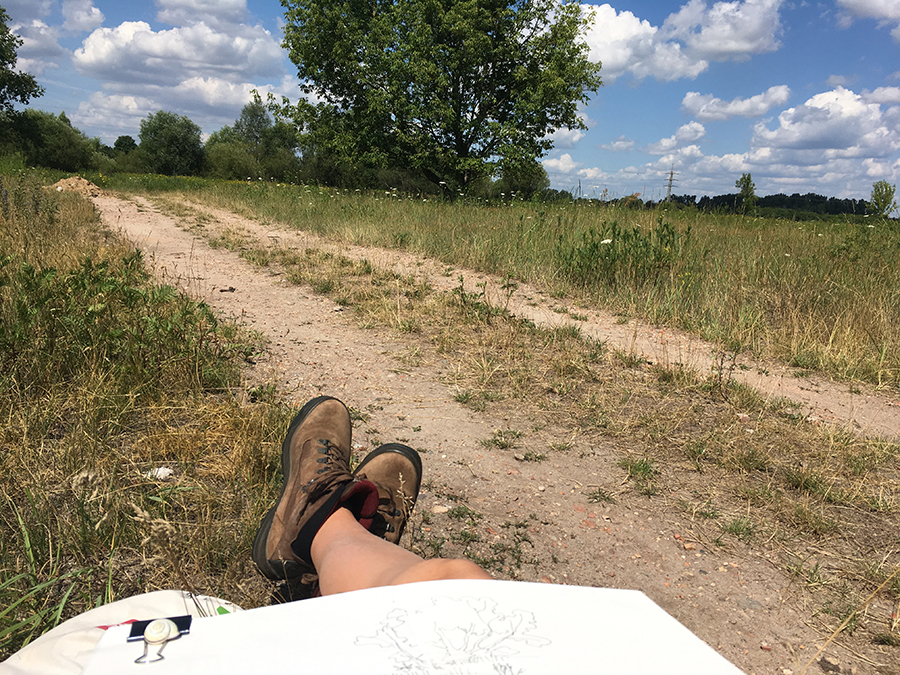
(257, 147)
(805, 206)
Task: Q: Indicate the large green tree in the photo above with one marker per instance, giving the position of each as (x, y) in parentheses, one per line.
(455, 89)
(15, 87)
(171, 144)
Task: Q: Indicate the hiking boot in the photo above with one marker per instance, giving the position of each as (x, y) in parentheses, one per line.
(315, 460)
(396, 470)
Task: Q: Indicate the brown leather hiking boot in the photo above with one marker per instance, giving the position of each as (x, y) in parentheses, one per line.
(315, 459)
(396, 470)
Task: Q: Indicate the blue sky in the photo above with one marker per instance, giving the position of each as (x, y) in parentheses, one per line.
(805, 96)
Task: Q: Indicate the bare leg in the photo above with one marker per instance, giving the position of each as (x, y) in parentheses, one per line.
(348, 558)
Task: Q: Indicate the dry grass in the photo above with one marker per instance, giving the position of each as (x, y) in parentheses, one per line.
(104, 378)
(87, 525)
(749, 473)
(819, 295)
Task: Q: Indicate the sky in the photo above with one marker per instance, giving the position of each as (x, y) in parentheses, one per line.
(804, 96)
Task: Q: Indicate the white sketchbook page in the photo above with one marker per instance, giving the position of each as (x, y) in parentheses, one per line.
(436, 627)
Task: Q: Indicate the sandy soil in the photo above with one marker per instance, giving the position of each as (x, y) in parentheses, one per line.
(735, 600)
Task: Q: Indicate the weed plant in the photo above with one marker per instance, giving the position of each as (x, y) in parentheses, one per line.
(819, 296)
(105, 376)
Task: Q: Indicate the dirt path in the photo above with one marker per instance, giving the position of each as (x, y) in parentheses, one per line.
(859, 408)
(737, 601)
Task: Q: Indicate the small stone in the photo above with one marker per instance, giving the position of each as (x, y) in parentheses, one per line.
(541, 488)
(765, 647)
(519, 458)
(437, 508)
(690, 546)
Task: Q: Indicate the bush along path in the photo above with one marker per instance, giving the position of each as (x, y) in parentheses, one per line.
(562, 447)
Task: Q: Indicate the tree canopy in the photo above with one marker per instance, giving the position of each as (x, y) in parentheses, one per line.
(48, 140)
(15, 87)
(170, 144)
(124, 144)
(255, 147)
(457, 90)
(882, 203)
(748, 191)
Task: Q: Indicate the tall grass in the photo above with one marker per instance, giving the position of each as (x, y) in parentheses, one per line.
(103, 377)
(84, 523)
(823, 295)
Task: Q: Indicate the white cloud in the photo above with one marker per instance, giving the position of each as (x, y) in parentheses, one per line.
(831, 125)
(132, 53)
(708, 108)
(883, 10)
(208, 102)
(727, 30)
(81, 15)
(564, 164)
(886, 12)
(692, 131)
(688, 40)
(40, 47)
(118, 114)
(593, 174)
(837, 143)
(888, 95)
(882, 170)
(212, 12)
(625, 44)
(25, 11)
(211, 93)
(681, 157)
(621, 144)
(566, 138)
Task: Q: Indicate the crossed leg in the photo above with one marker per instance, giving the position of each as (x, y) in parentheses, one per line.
(347, 557)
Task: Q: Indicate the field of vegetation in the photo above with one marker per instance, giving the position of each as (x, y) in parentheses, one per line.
(821, 295)
(106, 375)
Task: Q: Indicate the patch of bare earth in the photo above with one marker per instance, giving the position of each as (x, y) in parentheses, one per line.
(535, 520)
